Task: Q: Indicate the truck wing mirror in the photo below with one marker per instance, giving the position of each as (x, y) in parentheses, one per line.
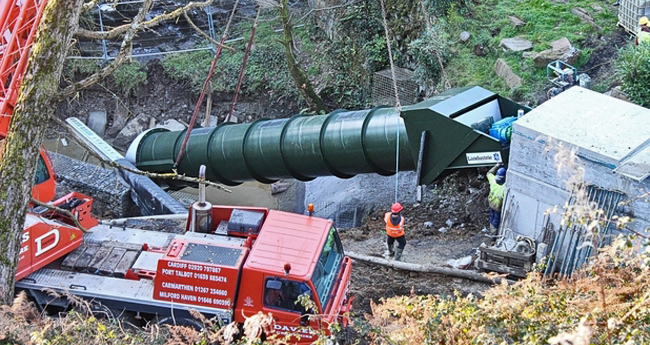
(274, 284)
(304, 317)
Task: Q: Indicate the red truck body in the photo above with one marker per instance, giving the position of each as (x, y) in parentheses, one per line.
(287, 250)
(228, 272)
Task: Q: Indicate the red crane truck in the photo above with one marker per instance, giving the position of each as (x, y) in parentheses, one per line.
(249, 260)
(240, 262)
(40, 242)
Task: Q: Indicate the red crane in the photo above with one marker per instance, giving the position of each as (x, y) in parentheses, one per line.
(19, 21)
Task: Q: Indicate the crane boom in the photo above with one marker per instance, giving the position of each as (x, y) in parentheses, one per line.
(19, 21)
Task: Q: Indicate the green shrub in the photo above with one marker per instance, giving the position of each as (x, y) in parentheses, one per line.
(266, 69)
(190, 67)
(425, 51)
(129, 75)
(79, 67)
(605, 303)
(633, 68)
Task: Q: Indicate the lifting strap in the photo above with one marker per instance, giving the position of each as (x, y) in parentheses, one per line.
(206, 84)
(243, 66)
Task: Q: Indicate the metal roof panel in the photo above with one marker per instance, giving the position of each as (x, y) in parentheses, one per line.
(288, 237)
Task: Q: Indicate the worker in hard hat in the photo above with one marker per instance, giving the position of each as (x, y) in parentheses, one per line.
(497, 179)
(395, 231)
(643, 34)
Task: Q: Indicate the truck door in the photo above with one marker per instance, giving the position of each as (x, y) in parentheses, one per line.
(43, 179)
(44, 185)
(281, 299)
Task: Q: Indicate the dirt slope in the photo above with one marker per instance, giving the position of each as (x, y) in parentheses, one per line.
(458, 215)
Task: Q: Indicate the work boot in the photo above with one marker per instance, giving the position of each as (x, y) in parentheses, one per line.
(398, 254)
(390, 252)
(493, 230)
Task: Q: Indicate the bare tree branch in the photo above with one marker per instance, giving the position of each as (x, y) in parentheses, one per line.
(89, 5)
(125, 49)
(115, 32)
(61, 211)
(167, 176)
(350, 3)
(206, 36)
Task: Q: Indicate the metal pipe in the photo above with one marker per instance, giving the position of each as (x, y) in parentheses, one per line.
(551, 254)
(566, 253)
(101, 29)
(572, 255)
(201, 214)
(343, 143)
(559, 249)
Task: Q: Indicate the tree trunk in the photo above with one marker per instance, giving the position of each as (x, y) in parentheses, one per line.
(29, 121)
(297, 73)
(471, 275)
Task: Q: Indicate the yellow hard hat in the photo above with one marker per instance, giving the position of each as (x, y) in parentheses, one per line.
(643, 21)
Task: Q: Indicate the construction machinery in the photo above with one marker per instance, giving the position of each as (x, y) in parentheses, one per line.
(18, 23)
(232, 263)
(224, 266)
(563, 76)
(47, 235)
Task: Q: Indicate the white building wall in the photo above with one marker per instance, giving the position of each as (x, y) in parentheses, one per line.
(575, 120)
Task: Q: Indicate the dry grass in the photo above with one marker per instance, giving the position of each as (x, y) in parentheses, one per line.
(22, 323)
(606, 303)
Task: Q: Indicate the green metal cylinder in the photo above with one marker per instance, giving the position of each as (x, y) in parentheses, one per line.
(342, 143)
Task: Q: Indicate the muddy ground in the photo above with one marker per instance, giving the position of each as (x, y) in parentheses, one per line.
(449, 227)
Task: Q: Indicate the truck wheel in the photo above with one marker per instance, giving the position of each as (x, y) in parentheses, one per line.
(126, 318)
(182, 321)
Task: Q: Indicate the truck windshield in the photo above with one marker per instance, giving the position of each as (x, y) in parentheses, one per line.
(328, 267)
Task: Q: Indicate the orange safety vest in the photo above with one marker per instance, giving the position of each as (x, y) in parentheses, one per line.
(394, 230)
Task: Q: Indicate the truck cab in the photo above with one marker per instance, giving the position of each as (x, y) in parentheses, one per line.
(253, 260)
(44, 185)
(296, 255)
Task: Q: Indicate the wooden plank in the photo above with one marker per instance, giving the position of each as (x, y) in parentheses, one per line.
(98, 259)
(86, 257)
(110, 263)
(125, 263)
(68, 264)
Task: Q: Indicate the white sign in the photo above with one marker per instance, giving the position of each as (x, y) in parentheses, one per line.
(39, 242)
(483, 157)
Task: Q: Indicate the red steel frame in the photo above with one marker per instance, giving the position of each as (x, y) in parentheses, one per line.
(19, 21)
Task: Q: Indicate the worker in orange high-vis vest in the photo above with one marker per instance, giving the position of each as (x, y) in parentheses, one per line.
(395, 231)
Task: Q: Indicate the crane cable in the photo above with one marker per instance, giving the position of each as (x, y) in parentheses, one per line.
(398, 105)
(205, 85)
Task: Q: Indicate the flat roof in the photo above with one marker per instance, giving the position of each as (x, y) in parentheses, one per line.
(288, 237)
(615, 130)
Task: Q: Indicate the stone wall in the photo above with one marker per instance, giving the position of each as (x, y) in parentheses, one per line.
(111, 198)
